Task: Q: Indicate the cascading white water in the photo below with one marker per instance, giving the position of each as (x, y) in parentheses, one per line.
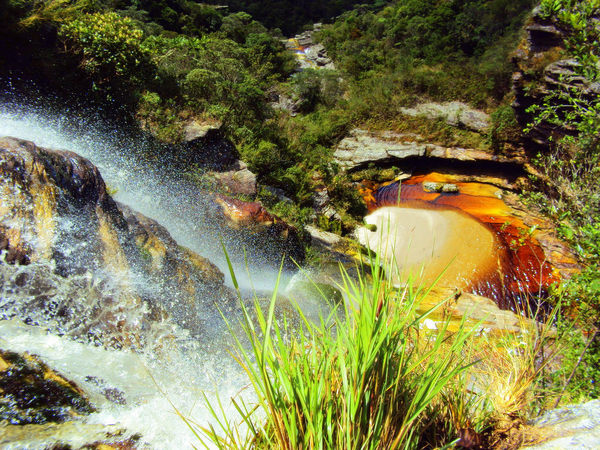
(147, 186)
(148, 387)
(175, 369)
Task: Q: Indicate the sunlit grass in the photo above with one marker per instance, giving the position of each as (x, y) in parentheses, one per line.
(372, 375)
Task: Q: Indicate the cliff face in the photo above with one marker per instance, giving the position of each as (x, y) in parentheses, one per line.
(542, 68)
(57, 218)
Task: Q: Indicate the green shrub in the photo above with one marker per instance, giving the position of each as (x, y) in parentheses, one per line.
(570, 183)
(504, 127)
(263, 157)
(110, 46)
(238, 26)
(315, 87)
(159, 117)
(200, 83)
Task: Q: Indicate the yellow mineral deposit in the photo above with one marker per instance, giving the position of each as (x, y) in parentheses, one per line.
(43, 194)
(114, 258)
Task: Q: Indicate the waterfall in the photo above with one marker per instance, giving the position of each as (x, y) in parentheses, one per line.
(139, 173)
(175, 369)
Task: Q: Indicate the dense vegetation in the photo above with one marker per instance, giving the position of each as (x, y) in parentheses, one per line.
(291, 16)
(170, 61)
(570, 182)
(441, 50)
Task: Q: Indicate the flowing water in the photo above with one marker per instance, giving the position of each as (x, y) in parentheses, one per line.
(174, 369)
(148, 184)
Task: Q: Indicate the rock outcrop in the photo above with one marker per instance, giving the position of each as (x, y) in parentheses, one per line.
(237, 179)
(573, 426)
(266, 227)
(529, 255)
(310, 55)
(205, 147)
(540, 70)
(57, 217)
(362, 147)
(456, 114)
(40, 408)
(32, 393)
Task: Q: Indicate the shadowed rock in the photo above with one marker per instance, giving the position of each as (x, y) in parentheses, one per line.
(540, 69)
(32, 393)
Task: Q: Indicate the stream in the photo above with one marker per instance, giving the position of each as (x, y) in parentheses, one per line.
(173, 372)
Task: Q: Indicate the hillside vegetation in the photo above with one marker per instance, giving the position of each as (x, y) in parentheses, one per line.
(169, 61)
(172, 60)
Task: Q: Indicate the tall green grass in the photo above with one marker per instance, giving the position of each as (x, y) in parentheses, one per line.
(368, 376)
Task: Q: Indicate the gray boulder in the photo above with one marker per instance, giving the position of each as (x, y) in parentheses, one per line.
(574, 426)
(456, 114)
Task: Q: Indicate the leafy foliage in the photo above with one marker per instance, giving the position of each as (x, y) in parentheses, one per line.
(571, 177)
(470, 40)
(290, 16)
(110, 45)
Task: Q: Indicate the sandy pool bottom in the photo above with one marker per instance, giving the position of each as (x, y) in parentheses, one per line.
(427, 243)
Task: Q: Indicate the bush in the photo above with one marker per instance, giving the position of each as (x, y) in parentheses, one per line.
(504, 127)
(570, 180)
(314, 87)
(264, 157)
(110, 46)
(200, 83)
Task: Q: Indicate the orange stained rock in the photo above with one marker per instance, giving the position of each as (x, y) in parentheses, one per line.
(247, 213)
(521, 267)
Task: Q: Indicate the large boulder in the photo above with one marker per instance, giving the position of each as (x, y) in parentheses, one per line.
(528, 255)
(41, 408)
(59, 227)
(238, 179)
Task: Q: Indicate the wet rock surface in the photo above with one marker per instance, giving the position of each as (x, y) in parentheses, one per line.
(68, 436)
(32, 393)
(529, 257)
(266, 227)
(56, 214)
(310, 55)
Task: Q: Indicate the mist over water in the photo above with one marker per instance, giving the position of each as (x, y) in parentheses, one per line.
(140, 173)
(134, 391)
(172, 369)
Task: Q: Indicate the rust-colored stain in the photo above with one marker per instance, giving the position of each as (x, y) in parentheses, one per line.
(522, 267)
